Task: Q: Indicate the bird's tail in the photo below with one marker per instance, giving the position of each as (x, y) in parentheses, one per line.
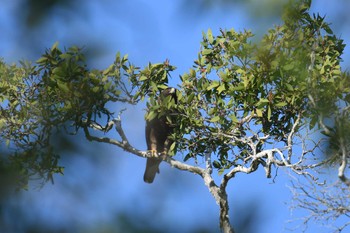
(152, 167)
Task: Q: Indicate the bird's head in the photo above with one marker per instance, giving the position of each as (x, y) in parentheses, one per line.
(168, 94)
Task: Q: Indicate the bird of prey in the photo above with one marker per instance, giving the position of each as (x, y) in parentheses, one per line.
(157, 131)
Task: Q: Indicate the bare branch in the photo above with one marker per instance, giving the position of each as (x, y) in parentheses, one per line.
(341, 169)
(290, 137)
(124, 144)
(185, 167)
(323, 203)
(218, 193)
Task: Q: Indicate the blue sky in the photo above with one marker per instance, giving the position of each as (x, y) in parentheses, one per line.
(93, 190)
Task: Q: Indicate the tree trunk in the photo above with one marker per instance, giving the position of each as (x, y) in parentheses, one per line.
(224, 217)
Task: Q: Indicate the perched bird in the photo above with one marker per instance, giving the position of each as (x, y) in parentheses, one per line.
(157, 131)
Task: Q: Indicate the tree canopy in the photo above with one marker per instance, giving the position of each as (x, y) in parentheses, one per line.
(282, 101)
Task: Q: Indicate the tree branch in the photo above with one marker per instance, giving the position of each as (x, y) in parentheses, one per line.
(276, 156)
(219, 194)
(323, 203)
(124, 144)
(290, 137)
(341, 169)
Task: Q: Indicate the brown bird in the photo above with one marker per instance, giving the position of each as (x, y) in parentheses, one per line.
(157, 132)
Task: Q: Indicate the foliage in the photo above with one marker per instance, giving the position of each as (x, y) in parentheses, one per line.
(243, 104)
(239, 90)
(236, 89)
(37, 100)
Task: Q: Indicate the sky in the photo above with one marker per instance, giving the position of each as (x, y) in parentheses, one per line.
(100, 181)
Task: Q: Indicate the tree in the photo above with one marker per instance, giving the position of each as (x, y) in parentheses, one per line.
(242, 106)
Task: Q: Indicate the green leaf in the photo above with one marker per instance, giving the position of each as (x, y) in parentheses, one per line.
(221, 88)
(289, 66)
(95, 89)
(212, 111)
(54, 46)
(125, 58)
(327, 29)
(262, 102)
(221, 171)
(59, 71)
(213, 85)
(187, 157)
(281, 104)
(233, 118)
(207, 51)
(2, 123)
(336, 72)
(143, 78)
(172, 149)
(215, 119)
(216, 164)
(245, 82)
(41, 60)
(65, 56)
(63, 86)
(239, 87)
(203, 61)
(109, 69)
(322, 70)
(210, 36)
(259, 112)
(289, 87)
(162, 86)
(268, 113)
(151, 115)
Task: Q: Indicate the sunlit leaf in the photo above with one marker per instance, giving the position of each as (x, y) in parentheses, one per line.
(213, 85)
(207, 51)
(280, 104)
(268, 113)
(54, 46)
(210, 36)
(259, 112)
(215, 119)
(221, 88)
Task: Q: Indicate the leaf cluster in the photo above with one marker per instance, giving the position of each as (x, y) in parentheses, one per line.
(242, 97)
(153, 79)
(57, 92)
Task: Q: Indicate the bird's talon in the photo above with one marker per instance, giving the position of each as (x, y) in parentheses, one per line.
(153, 153)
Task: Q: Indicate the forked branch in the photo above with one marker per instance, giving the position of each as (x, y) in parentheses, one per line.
(266, 158)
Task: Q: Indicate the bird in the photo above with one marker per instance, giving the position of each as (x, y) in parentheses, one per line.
(157, 133)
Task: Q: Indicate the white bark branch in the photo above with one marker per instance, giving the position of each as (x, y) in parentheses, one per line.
(266, 158)
(219, 194)
(341, 170)
(124, 144)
